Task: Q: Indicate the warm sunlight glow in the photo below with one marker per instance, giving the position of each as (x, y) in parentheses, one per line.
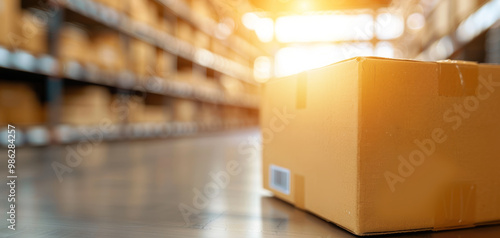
(264, 29)
(324, 27)
(295, 59)
(250, 20)
(262, 69)
(389, 26)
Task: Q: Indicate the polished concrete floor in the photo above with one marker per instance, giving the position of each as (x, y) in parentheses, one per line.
(152, 189)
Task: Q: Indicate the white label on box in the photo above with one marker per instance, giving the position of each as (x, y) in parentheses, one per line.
(279, 179)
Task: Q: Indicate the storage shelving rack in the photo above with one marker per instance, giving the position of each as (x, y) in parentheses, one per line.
(21, 65)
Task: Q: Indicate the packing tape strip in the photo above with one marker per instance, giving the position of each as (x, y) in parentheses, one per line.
(299, 194)
(457, 79)
(456, 206)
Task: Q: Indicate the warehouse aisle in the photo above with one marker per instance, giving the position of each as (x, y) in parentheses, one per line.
(138, 189)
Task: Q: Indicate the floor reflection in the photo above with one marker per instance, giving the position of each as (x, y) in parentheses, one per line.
(136, 189)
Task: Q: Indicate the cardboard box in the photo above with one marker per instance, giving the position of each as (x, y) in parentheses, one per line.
(140, 113)
(142, 10)
(190, 75)
(120, 6)
(155, 113)
(33, 32)
(84, 115)
(19, 105)
(201, 40)
(142, 58)
(108, 50)
(10, 11)
(74, 44)
(87, 96)
(87, 105)
(385, 146)
(185, 110)
(219, 49)
(203, 8)
(184, 31)
(165, 63)
(209, 113)
(231, 85)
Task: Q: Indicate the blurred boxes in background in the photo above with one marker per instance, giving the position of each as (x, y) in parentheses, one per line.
(184, 31)
(165, 63)
(142, 11)
(74, 44)
(201, 40)
(113, 44)
(185, 110)
(19, 105)
(10, 15)
(108, 50)
(218, 48)
(120, 6)
(33, 32)
(87, 105)
(142, 58)
(140, 111)
(203, 8)
(209, 113)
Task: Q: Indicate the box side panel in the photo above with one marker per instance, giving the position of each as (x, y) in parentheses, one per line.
(319, 145)
(428, 146)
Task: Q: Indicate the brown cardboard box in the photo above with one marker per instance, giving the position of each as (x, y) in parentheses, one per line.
(142, 10)
(164, 63)
(107, 48)
(142, 57)
(201, 7)
(19, 105)
(208, 113)
(74, 44)
(119, 6)
(162, 20)
(140, 112)
(33, 32)
(87, 105)
(10, 11)
(231, 85)
(201, 39)
(219, 49)
(384, 146)
(87, 96)
(84, 115)
(185, 110)
(190, 75)
(184, 31)
(155, 113)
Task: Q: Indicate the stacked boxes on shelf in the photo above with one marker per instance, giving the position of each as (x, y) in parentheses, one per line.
(141, 112)
(33, 32)
(88, 105)
(74, 47)
(19, 105)
(108, 51)
(9, 15)
(185, 110)
(92, 48)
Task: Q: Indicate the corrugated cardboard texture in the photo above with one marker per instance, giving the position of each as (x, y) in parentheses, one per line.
(320, 142)
(388, 146)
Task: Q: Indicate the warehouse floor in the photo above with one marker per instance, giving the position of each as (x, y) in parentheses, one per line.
(138, 189)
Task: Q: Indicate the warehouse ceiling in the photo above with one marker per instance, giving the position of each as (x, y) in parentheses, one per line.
(316, 5)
